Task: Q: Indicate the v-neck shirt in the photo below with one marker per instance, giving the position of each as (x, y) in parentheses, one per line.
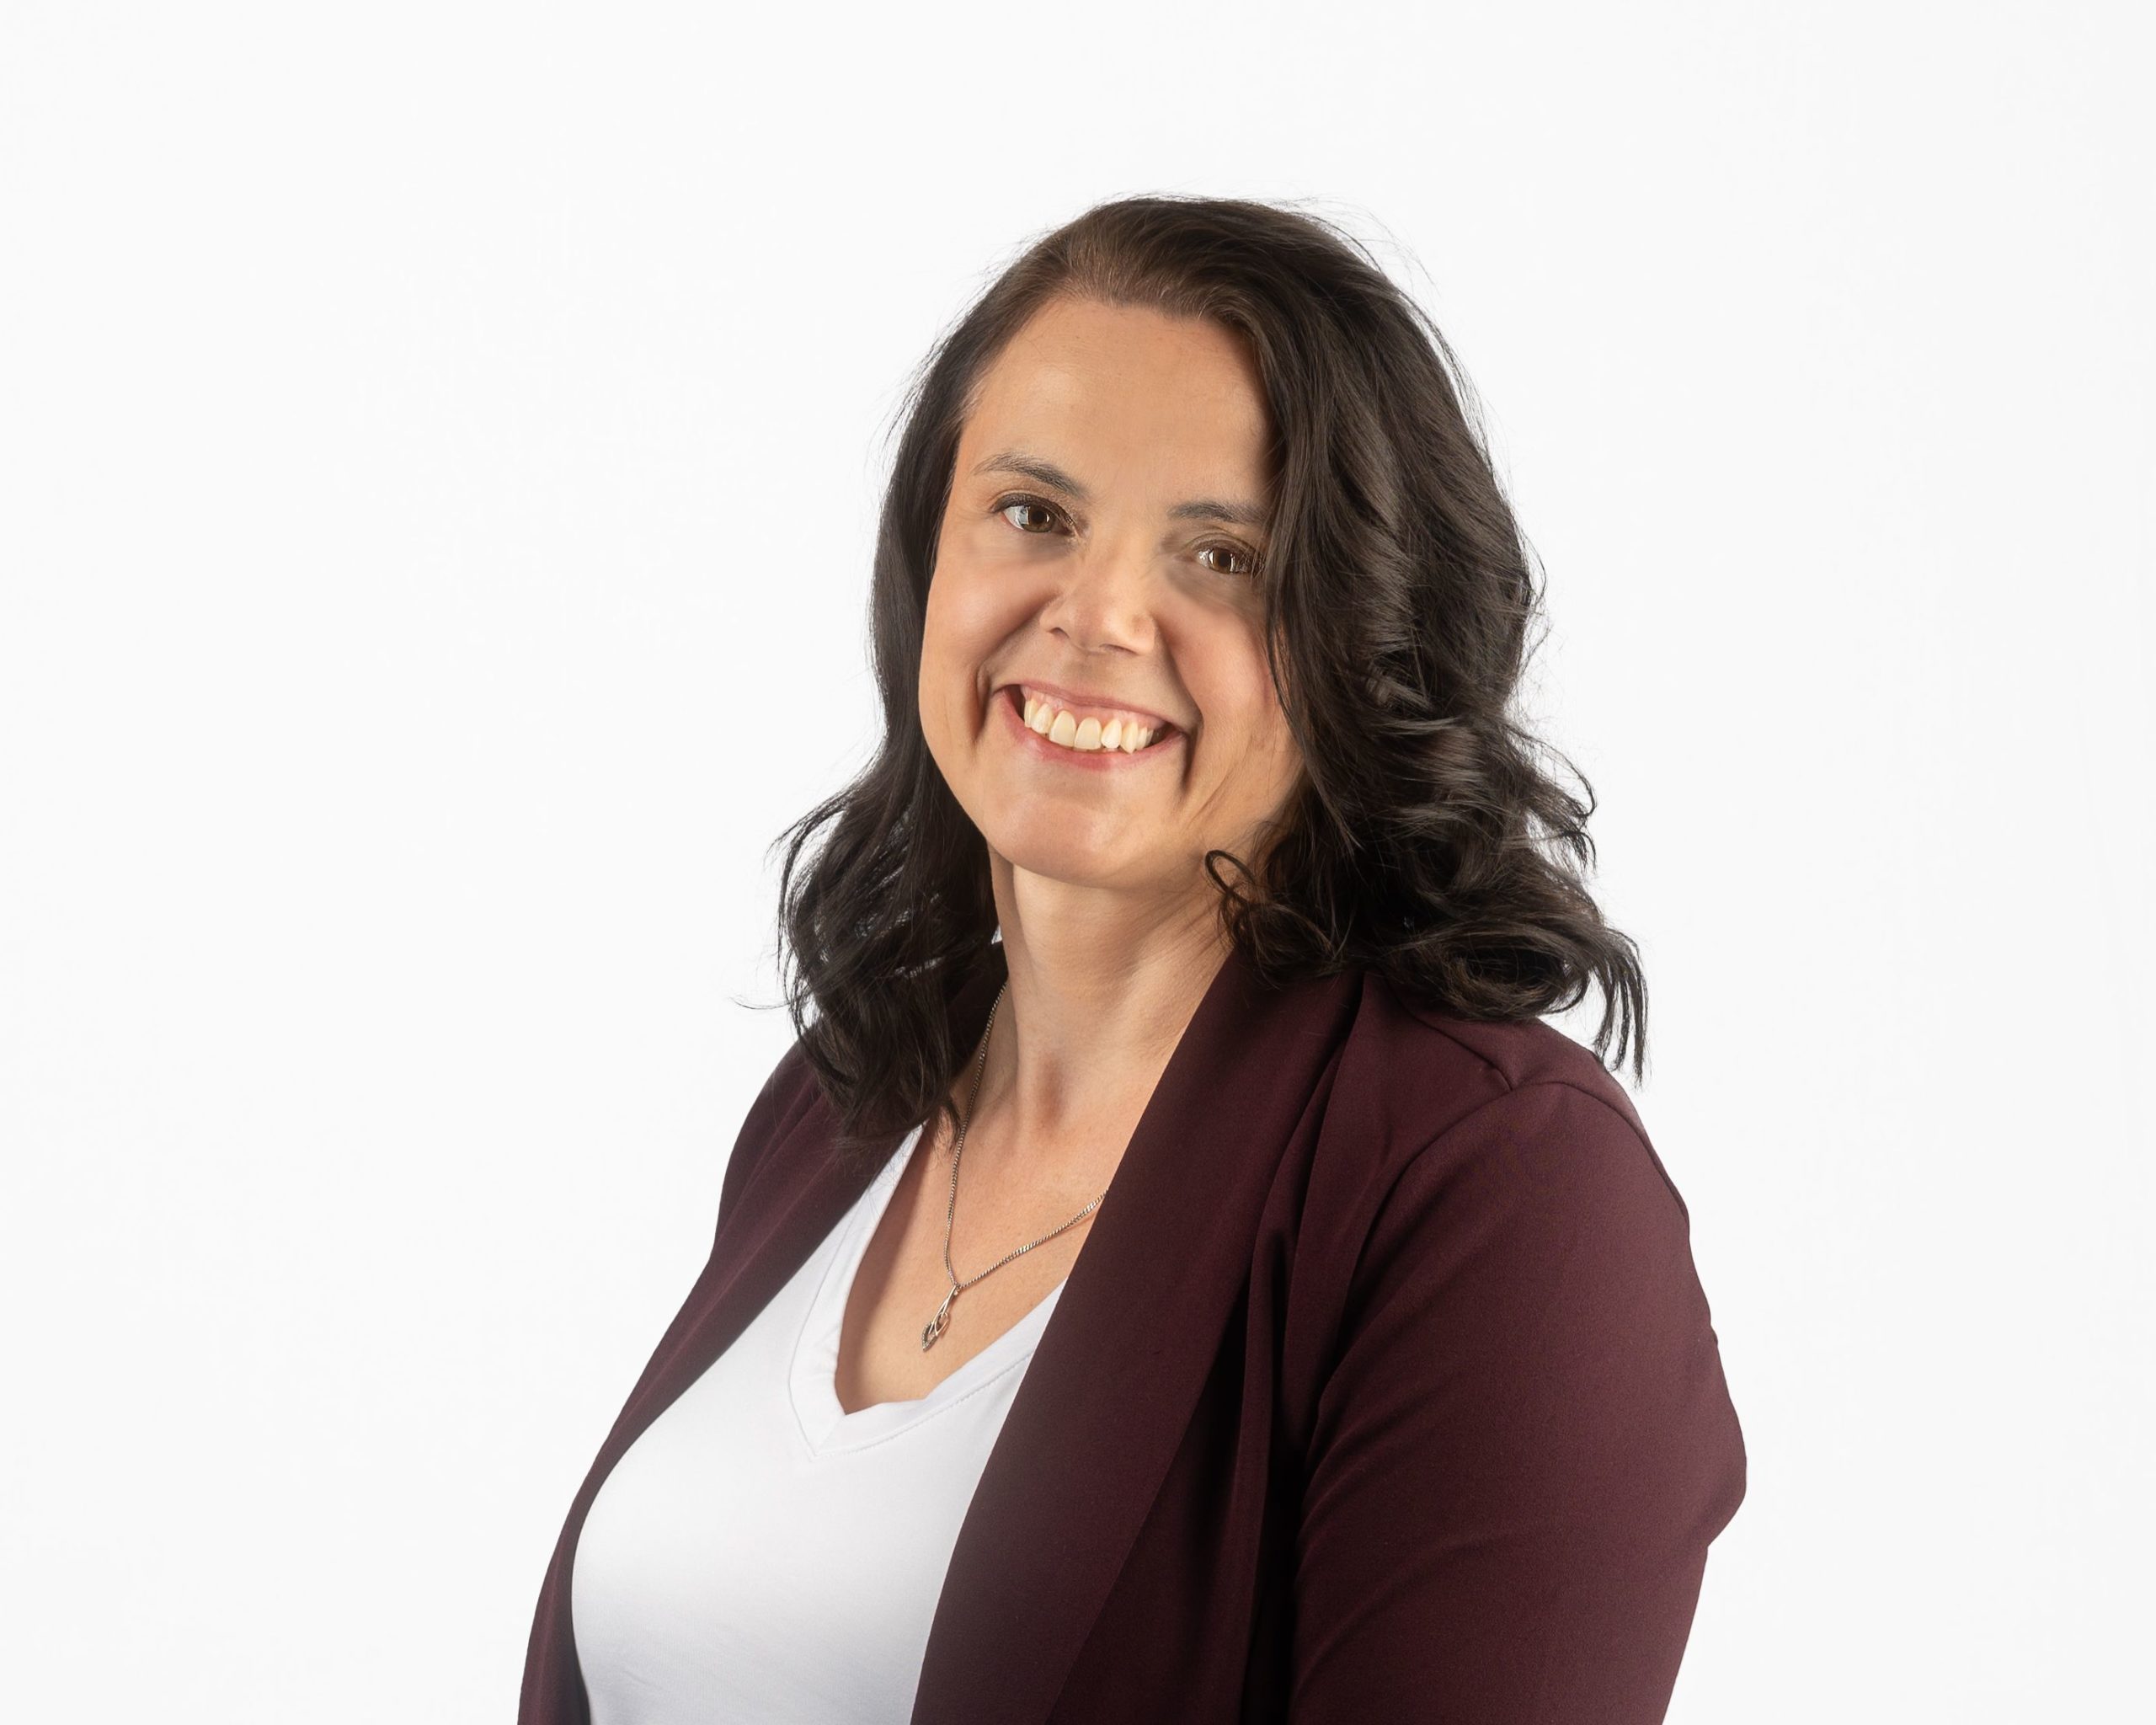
(759, 1553)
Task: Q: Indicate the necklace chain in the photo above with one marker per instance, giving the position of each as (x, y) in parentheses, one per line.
(936, 1325)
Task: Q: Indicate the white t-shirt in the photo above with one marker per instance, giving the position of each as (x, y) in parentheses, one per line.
(760, 1555)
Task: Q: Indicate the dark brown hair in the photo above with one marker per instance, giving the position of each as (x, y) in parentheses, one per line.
(1428, 842)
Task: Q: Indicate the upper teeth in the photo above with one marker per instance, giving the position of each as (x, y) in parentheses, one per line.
(1059, 725)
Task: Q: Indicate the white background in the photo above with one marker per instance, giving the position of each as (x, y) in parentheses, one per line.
(441, 447)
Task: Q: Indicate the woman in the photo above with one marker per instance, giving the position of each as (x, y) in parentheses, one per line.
(1175, 1273)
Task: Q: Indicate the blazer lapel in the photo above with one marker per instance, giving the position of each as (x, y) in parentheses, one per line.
(1118, 1372)
(796, 1195)
(757, 1254)
(789, 1206)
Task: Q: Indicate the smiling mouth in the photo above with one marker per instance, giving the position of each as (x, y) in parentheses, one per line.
(1061, 729)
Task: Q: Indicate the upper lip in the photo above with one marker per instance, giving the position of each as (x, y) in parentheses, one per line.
(1076, 698)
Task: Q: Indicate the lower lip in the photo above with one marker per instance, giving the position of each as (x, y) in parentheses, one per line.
(1013, 703)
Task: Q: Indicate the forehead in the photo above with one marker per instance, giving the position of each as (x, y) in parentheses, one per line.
(1125, 395)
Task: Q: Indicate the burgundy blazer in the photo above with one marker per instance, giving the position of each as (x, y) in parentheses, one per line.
(1383, 1387)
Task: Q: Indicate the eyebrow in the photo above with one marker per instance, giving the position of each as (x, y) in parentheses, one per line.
(1046, 472)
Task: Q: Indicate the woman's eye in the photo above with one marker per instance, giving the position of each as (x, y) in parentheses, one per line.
(1019, 503)
(1249, 563)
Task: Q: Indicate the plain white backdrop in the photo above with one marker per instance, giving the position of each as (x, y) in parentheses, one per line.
(439, 452)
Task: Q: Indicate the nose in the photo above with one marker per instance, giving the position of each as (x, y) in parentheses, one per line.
(1104, 601)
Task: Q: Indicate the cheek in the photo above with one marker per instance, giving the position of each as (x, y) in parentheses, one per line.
(1258, 752)
(1238, 693)
(961, 621)
(934, 696)
(960, 634)
(945, 639)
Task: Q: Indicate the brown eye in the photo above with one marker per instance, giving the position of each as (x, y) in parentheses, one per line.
(1250, 563)
(1006, 508)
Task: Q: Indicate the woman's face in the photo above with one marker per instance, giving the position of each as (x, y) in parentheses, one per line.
(1098, 547)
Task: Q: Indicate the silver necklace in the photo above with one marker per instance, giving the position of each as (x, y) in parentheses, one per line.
(936, 1325)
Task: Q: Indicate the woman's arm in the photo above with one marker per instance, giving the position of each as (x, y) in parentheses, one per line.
(1526, 1444)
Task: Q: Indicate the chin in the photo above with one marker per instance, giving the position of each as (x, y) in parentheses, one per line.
(1078, 864)
(1050, 862)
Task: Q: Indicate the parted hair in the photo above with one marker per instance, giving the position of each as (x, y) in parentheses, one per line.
(1429, 840)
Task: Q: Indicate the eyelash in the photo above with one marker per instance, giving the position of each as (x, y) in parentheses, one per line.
(1256, 563)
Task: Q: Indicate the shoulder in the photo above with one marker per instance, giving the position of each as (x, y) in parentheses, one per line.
(789, 1092)
(1517, 1316)
(1457, 1090)
(1528, 1232)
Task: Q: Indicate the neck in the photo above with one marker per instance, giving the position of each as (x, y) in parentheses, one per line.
(1099, 995)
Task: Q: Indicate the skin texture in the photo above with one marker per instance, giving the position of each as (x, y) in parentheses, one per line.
(1109, 922)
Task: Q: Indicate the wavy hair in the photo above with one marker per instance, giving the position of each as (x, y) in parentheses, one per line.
(1428, 840)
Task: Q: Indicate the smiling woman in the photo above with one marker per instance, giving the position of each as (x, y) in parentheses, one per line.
(1118, 601)
(1328, 1345)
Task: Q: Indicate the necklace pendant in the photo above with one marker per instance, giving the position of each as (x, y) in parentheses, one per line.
(936, 1325)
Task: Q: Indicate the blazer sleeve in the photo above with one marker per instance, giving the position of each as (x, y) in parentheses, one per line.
(1526, 1442)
